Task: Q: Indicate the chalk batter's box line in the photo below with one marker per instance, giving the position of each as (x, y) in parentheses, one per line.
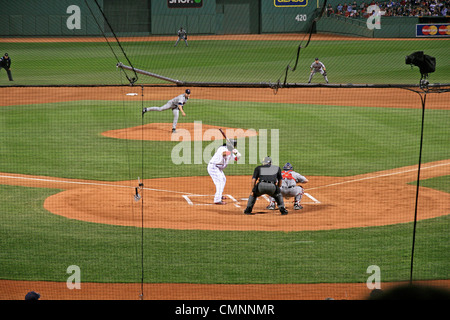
(235, 202)
(189, 201)
(314, 200)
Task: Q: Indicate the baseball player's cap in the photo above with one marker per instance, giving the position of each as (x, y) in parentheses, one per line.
(6, 55)
(188, 91)
(267, 160)
(316, 59)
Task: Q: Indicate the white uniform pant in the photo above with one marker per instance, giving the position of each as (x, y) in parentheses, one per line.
(219, 180)
(181, 38)
(321, 71)
(295, 192)
(175, 111)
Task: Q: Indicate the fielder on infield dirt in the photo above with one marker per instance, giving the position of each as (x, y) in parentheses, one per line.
(176, 104)
(289, 187)
(318, 66)
(216, 166)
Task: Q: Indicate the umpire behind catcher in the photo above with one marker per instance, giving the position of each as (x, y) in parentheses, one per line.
(269, 183)
(5, 62)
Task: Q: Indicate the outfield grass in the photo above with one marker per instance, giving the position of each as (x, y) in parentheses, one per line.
(439, 183)
(64, 139)
(224, 61)
(37, 245)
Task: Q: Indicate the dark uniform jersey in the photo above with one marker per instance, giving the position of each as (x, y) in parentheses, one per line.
(268, 176)
(5, 62)
(268, 173)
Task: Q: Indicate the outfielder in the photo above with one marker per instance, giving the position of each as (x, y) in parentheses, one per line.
(318, 66)
(216, 166)
(5, 63)
(182, 35)
(176, 104)
(289, 187)
(266, 179)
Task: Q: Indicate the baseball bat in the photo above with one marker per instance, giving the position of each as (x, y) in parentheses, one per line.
(229, 144)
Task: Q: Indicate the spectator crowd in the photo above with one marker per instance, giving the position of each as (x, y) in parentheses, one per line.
(403, 8)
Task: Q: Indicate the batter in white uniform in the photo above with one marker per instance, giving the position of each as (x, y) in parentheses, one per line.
(289, 187)
(176, 104)
(216, 166)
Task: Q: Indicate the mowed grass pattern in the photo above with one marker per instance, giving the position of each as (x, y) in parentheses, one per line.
(224, 61)
(64, 140)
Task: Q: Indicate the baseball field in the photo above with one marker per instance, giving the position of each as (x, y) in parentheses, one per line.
(75, 150)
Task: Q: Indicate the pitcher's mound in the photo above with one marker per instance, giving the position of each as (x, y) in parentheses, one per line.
(185, 131)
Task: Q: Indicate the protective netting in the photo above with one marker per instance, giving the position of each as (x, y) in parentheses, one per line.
(102, 199)
(89, 181)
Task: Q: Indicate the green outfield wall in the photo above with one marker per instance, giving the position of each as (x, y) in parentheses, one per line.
(390, 27)
(159, 17)
(49, 18)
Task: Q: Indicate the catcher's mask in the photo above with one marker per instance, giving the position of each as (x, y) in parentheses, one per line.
(288, 166)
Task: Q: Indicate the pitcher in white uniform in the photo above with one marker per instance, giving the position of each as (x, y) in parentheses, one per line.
(216, 166)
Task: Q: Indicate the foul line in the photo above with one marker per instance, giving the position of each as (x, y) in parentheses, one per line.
(377, 176)
(92, 184)
(193, 194)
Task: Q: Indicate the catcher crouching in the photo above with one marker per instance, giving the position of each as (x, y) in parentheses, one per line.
(289, 187)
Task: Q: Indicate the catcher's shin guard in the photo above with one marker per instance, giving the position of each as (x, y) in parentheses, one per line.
(297, 205)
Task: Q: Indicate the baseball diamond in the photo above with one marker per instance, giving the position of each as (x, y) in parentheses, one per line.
(88, 176)
(103, 202)
(79, 197)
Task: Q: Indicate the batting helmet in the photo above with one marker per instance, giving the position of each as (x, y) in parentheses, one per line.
(288, 166)
(188, 91)
(230, 146)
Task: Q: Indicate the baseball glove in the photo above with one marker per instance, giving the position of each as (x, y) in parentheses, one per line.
(324, 73)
